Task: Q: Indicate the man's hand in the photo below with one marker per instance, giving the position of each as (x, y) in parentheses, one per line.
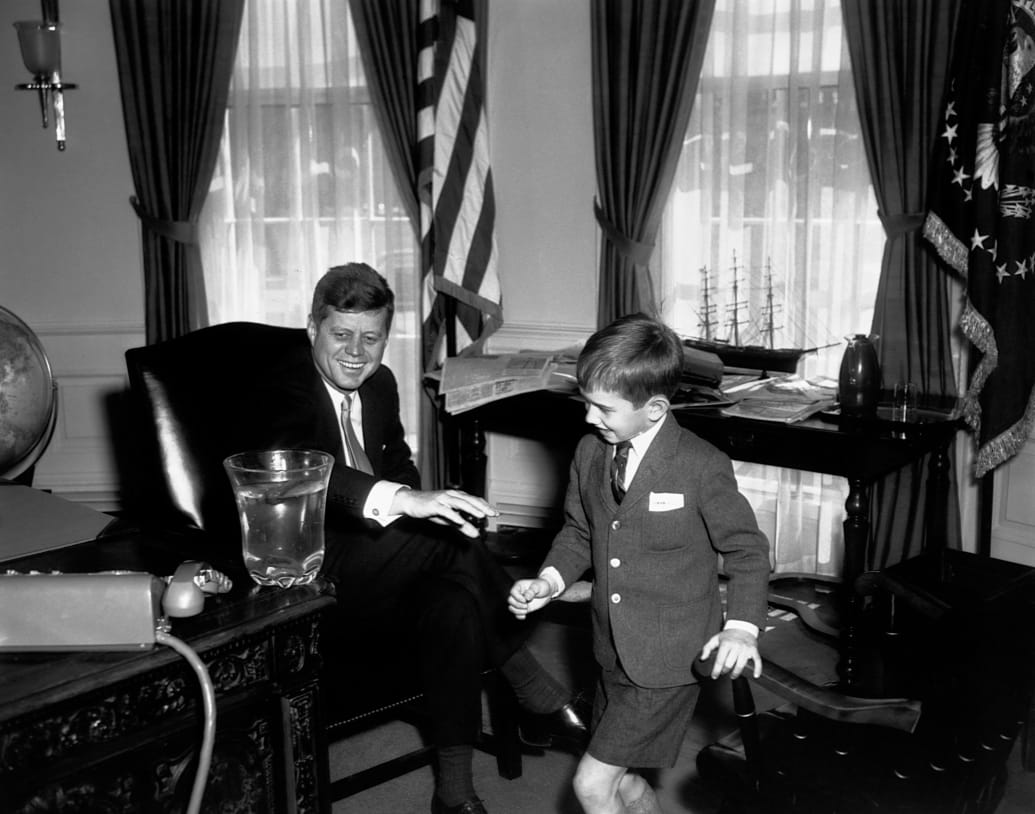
(733, 650)
(528, 595)
(446, 507)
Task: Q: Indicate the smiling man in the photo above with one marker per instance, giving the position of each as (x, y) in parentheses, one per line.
(348, 330)
(426, 597)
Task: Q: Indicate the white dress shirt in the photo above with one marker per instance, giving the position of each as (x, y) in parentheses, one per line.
(379, 501)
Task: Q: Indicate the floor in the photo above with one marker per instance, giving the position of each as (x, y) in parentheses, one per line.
(545, 785)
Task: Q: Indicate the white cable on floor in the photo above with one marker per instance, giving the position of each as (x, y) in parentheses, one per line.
(208, 696)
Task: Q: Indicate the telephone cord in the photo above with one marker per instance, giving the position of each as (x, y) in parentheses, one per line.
(208, 696)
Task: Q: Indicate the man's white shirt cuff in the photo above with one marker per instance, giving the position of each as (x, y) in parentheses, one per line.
(379, 502)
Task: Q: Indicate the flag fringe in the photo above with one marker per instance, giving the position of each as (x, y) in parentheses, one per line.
(1008, 443)
(949, 247)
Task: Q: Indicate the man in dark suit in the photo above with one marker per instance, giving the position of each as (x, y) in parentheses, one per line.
(429, 588)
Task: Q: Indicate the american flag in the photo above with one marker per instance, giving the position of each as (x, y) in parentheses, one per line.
(457, 205)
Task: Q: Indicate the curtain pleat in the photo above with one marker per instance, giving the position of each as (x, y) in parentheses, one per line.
(646, 62)
(900, 60)
(386, 31)
(175, 59)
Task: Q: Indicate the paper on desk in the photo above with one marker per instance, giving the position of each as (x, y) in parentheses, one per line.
(469, 382)
(783, 398)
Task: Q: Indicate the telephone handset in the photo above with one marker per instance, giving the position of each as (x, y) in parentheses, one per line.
(188, 587)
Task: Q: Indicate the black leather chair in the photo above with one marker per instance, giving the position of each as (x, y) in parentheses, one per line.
(951, 636)
(183, 396)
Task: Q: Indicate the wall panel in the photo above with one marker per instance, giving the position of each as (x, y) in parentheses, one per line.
(89, 368)
(1013, 515)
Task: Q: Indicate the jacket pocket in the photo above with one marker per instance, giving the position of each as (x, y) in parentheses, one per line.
(666, 530)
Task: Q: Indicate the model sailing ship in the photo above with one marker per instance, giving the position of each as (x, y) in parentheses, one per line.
(745, 345)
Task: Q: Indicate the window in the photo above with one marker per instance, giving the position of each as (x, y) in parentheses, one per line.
(303, 182)
(772, 198)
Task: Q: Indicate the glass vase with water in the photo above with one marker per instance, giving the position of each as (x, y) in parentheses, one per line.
(281, 501)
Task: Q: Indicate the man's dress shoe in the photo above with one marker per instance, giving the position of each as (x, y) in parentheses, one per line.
(472, 806)
(564, 729)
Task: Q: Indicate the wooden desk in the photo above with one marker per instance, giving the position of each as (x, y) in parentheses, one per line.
(862, 452)
(119, 732)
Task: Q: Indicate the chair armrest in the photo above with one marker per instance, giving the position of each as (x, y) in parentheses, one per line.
(828, 702)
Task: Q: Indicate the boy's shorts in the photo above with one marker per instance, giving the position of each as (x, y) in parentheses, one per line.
(639, 727)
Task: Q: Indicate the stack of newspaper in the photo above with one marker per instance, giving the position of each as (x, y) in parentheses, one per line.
(469, 382)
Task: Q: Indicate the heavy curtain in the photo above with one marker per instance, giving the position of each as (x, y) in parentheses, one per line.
(386, 31)
(304, 182)
(900, 60)
(174, 61)
(772, 206)
(646, 60)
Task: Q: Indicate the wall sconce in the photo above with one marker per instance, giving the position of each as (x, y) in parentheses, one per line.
(40, 41)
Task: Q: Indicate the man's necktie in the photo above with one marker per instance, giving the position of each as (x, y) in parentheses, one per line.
(357, 457)
(618, 469)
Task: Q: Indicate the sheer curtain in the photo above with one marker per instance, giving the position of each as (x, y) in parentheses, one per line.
(303, 181)
(773, 191)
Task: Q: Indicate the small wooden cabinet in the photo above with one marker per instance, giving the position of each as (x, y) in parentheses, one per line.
(119, 732)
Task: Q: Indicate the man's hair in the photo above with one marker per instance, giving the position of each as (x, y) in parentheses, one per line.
(352, 287)
(635, 356)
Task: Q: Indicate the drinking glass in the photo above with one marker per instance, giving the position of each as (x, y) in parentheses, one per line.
(903, 404)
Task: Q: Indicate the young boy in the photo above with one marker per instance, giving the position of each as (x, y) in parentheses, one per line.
(648, 506)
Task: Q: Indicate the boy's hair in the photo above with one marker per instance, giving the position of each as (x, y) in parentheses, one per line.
(352, 287)
(635, 356)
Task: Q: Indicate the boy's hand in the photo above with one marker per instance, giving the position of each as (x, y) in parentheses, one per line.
(733, 650)
(528, 595)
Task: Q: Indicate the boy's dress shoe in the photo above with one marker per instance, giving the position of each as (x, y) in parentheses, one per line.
(472, 806)
(564, 729)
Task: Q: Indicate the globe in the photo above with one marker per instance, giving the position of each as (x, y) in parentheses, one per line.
(28, 397)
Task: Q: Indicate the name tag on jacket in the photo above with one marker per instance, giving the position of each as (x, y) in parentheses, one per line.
(665, 501)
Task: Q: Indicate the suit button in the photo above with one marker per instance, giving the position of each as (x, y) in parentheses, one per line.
(615, 562)
(616, 598)
(615, 525)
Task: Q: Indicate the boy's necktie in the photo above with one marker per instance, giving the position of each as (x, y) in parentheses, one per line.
(357, 457)
(618, 469)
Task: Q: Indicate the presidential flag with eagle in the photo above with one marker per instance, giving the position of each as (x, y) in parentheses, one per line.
(980, 216)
